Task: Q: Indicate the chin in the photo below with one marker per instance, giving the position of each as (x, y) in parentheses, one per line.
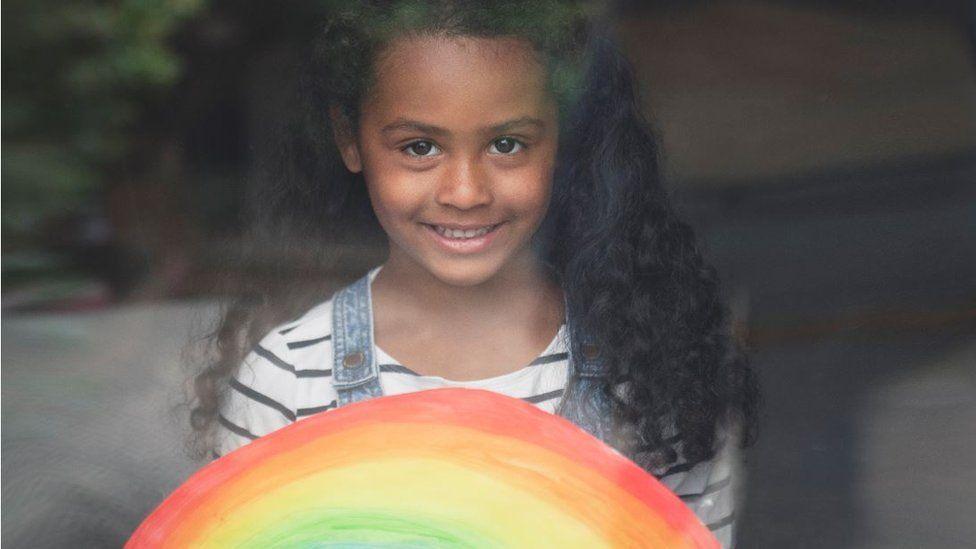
(463, 276)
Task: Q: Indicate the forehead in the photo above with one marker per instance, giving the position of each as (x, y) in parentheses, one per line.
(461, 80)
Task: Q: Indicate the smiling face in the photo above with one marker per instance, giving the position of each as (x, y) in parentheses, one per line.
(457, 144)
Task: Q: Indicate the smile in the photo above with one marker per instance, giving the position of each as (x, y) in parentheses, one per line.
(448, 232)
(463, 240)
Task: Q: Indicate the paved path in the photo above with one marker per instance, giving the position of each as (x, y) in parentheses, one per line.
(91, 428)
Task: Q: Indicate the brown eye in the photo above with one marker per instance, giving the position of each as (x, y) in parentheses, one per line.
(421, 148)
(506, 145)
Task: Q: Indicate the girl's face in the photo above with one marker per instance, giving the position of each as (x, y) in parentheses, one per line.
(457, 144)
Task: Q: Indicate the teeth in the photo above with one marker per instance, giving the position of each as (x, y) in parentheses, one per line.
(458, 233)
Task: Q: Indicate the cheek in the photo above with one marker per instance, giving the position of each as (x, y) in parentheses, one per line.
(525, 195)
(393, 193)
(392, 200)
(534, 189)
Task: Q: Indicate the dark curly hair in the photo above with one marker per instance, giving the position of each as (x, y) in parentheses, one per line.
(633, 276)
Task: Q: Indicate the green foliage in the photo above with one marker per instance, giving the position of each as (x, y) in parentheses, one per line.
(77, 76)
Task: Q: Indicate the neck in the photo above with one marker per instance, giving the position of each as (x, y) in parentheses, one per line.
(523, 288)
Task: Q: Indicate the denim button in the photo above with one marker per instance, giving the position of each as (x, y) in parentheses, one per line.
(590, 351)
(353, 360)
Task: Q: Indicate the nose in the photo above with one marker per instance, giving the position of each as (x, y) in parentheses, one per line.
(464, 185)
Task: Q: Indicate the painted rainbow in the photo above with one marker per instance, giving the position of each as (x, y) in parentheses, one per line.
(437, 468)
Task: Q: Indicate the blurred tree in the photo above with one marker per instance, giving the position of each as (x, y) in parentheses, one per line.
(76, 78)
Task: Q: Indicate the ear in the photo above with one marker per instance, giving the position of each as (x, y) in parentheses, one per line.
(345, 140)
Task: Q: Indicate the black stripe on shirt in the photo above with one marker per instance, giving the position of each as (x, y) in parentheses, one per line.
(397, 369)
(316, 409)
(544, 396)
(313, 373)
(262, 398)
(721, 523)
(288, 329)
(713, 487)
(308, 342)
(236, 429)
(674, 470)
(548, 359)
(270, 357)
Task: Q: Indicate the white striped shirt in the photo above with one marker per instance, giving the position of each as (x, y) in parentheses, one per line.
(288, 377)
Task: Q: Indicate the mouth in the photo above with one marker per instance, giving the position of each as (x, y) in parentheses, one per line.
(463, 239)
(463, 233)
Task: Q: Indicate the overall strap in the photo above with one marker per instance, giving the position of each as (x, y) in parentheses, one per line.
(585, 402)
(355, 375)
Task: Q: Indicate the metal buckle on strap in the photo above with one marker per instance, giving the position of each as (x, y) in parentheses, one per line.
(590, 363)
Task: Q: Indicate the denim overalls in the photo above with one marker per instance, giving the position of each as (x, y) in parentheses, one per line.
(355, 375)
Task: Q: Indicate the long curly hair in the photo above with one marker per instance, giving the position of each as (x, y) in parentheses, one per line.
(633, 276)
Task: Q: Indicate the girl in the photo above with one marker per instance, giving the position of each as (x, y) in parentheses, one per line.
(498, 151)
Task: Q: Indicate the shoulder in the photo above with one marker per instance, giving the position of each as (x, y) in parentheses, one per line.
(314, 323)
(281, 379)
(297, 346)
(290, 351)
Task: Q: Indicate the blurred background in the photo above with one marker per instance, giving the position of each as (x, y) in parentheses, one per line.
(824, 150)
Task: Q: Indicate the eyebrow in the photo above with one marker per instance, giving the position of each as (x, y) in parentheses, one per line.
(414, 125)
